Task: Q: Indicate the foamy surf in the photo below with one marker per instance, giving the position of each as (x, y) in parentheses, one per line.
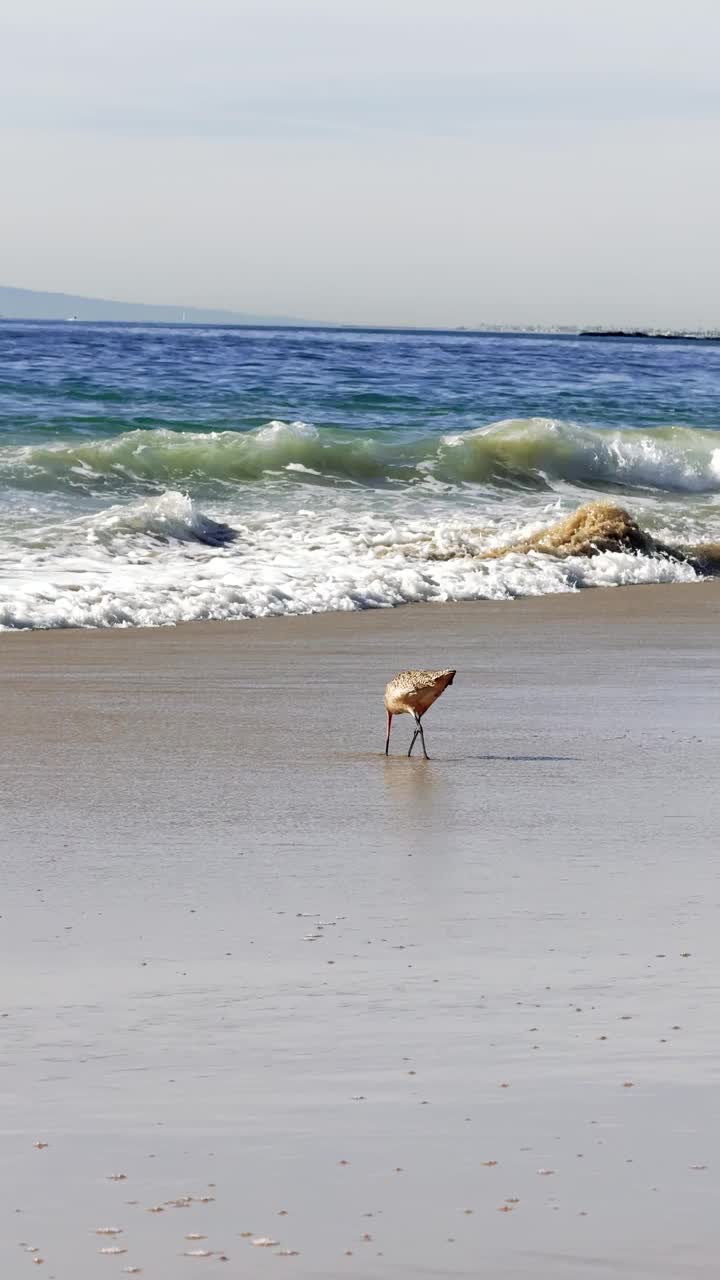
(167, 518)
(154, 563)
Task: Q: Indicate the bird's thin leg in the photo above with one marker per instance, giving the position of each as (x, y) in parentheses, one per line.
(389, 726)
(422, 738)
(418, 731)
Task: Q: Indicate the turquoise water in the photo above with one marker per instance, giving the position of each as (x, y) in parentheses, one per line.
(151, 475)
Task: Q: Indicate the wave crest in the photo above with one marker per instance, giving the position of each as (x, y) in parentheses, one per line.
(589, 531)
(169, 517)
(675, 459)
(531, 454)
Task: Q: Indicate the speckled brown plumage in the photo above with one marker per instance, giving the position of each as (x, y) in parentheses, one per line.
(413, 692)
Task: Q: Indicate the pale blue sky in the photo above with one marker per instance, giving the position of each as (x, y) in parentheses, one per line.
(394, 162)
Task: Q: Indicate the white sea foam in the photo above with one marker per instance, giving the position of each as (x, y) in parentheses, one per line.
(161, 561)
(170, 516)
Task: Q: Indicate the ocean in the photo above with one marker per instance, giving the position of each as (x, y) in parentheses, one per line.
(152, 475)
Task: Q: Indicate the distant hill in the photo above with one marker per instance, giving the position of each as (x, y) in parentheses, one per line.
(28, 304)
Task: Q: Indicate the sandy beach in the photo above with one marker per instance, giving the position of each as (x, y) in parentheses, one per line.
(455, 1018)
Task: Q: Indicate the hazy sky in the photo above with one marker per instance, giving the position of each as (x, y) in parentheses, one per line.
(438, 162)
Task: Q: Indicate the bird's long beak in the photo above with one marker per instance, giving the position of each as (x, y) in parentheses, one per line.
(387, 740)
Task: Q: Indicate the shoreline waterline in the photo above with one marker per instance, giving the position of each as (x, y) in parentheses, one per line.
(670, 602)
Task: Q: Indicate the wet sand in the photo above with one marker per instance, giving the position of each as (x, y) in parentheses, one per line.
(456, 1018)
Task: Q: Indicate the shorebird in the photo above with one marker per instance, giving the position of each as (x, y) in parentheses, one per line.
(414, 692)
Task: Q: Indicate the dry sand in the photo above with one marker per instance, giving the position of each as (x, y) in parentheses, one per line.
(242, 949)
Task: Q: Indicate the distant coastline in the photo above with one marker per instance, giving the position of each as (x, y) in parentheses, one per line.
(30, 304)
(34, 305)
(665, 335)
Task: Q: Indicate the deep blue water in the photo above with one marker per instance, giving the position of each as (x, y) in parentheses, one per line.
(100, 379)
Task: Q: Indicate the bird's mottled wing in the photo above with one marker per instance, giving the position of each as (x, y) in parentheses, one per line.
(413, 681)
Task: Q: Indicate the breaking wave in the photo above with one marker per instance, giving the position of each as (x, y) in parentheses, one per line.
(531, 454)
(169, 517)
(162, 561)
